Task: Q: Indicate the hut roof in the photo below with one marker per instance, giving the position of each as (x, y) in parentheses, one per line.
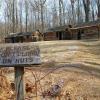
(59, 28)
(76, 26)
(11, 35)
(91, 23)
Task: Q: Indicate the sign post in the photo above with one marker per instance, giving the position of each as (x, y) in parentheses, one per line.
(19, 55)
(19, 83)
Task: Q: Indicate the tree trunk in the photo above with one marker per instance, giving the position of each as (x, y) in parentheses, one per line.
(86, 4)
(13, 16)
(98, 3)
(42, 19)
(26, 12)
(60, 14)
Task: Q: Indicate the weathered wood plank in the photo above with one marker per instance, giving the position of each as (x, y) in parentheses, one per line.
(19, 54)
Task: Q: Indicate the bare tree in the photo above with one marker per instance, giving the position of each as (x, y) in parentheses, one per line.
(13, 16)
(98, 6)
(54, 15)
(78, 10)
(38, 6)
(42, 3)
(61, 13)
(92, 10)
(26, 14)
(10, 15)
(86, 4)
(73, 9)
(20, 14)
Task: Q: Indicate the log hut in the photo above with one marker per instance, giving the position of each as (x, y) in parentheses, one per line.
(24, 37)
(19, 37)
(87, 30)
(58, 33)
(77, 32)
(68, 32)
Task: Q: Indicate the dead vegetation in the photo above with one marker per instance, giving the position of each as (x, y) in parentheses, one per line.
(72, 69)
(5, 89)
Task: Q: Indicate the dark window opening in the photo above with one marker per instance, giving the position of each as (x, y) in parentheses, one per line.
(79, 35)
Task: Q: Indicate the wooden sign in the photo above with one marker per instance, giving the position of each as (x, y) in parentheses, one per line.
(14, 54)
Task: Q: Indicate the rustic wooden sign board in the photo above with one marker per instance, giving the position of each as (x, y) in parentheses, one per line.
(19, 54)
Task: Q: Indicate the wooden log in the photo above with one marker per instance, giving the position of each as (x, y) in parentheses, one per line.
(19, 83)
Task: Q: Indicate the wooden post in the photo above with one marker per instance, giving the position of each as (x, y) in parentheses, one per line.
(19, 83)
(98, 32)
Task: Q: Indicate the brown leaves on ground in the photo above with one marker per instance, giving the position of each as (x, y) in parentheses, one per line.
(5, 89)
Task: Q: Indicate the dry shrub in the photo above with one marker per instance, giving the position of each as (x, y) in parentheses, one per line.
(4, 83)
(5, 90)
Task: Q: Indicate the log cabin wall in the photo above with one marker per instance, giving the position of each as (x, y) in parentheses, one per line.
(49, 36)
(58, 35)
(20, 37)
(27, 38)
(87, 32)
